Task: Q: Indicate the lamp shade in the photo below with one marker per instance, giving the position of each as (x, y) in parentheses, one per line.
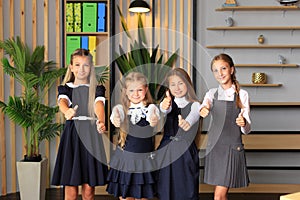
(139, 6)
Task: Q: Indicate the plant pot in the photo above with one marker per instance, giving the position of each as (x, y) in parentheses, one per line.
(32, 179)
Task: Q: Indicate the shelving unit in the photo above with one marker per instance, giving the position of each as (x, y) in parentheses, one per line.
(216, 28)
(285, 104)
(100, 52)
(257, 8)
(249, 46)
(267, 65)
(261, 85)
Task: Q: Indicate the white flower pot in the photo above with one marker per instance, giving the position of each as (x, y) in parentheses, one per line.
(32, 179)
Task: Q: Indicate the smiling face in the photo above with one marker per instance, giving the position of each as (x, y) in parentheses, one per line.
(136, 91)
(177, 86)
(222, 72)
(81, 68)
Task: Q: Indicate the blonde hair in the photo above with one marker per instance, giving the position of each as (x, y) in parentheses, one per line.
(130, 78)
(69, 77)
(226, 58)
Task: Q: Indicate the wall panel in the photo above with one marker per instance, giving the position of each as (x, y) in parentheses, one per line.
(32, 22)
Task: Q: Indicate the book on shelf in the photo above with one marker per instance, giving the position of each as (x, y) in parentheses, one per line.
(89, 17)
(101, 17)
(73, 43)
(69, 17)
(92, 47)
(77, 17)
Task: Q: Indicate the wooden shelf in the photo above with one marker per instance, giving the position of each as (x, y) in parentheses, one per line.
(262, 46)
(254, 28)
(261, 85)
(258, 8)
(88, 33)
(267, 65)
(275, 103)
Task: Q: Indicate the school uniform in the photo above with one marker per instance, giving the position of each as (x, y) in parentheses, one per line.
(225, 161)
(81, 155)
(178, 177)
(131, 167)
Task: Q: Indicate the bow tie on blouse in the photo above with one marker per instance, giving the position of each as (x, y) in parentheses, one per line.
(137, 114)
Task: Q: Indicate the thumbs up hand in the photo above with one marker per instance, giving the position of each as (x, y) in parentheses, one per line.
(153, 117)
(182, 123)
(116, 120)
(166, 103)
(71, 112)
(100, 127)
(205, 110)
(240, 120)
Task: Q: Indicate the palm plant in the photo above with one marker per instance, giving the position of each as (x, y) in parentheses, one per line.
(35, 75)
(139, 55)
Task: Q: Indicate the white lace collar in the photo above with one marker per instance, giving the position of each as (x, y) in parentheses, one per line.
(181, 102)
(137, 112)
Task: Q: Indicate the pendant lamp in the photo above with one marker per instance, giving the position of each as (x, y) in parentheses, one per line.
(139, 6)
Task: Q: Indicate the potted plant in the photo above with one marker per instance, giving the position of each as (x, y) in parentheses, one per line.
(35, 75)
(153, 65)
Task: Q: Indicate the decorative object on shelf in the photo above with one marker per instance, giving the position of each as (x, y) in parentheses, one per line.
(139, 6)
(261, 39)
(259, 78)
(281, 59)
(230, 3)
(229, 21)
(288, 2)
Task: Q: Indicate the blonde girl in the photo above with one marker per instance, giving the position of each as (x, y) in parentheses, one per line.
(82, 103)
(129, 175)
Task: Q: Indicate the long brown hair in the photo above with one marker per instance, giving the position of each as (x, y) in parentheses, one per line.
(226, 58)
(69, 77)
(180, 72)
(130, 78)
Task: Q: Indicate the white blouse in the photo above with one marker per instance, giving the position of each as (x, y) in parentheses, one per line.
(228, 95)
(192, 117)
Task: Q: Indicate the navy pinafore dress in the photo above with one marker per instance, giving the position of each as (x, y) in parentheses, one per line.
(178, 178)
(130, 172)
(81, 154)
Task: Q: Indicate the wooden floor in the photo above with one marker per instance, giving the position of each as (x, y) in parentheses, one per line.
(54, 194)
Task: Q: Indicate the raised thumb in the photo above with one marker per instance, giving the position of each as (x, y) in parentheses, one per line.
(75, 107)
(179, 117)
(168, 94)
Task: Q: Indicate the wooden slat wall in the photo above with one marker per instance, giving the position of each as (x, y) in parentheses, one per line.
(175, 16)
(12, 92)
(2, 129)
(13, 14)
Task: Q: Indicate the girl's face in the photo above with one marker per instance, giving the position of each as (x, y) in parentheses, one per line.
(136, 91)
(81, 69)
(222, 72)
(177, 86)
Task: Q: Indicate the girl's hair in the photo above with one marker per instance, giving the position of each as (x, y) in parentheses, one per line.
(180, 72)
(226, 58)
(69, 77)
(130, 78)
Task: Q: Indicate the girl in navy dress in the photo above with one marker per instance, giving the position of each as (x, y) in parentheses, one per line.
(225, 162)
(178, 178)
(81, 148)
(130, 176)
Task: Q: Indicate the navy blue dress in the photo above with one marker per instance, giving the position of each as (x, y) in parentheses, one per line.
(178, 179)
(130, 172)
(81, 155)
